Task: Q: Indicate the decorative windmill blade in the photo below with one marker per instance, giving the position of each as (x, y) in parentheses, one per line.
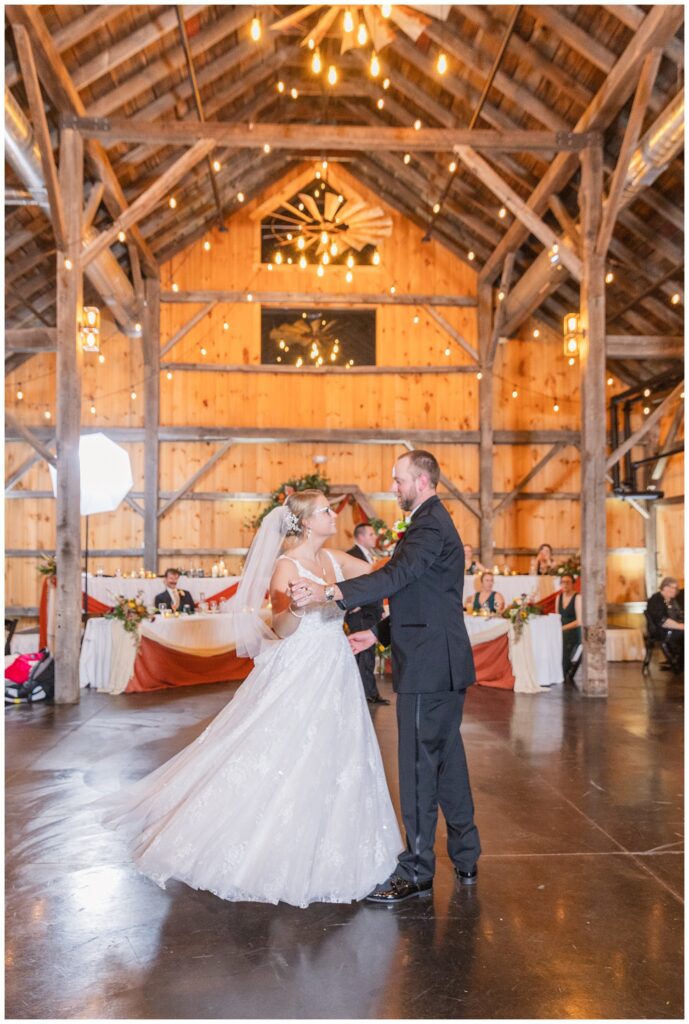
(295, 17)
(380, 32)
(297, 213)
(349, 38)
(310, 204)
(411, 21)
(331, 204)
(317, 34)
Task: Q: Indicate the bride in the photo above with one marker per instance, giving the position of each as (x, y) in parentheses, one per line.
(283, 797)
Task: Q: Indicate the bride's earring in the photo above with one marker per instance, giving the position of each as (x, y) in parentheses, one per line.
(308, 533)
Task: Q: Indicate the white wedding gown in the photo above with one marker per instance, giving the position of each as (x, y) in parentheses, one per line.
(283, 797)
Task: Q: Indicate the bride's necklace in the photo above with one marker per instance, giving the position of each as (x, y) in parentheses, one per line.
(318, 565)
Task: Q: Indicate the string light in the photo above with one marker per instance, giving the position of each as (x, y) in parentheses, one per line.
(332, 75)
(361, 34)
(316, 63)
(374, 66)
(325, 258)
(266, 148)
(279, 359)
(101, 358)
(299, 362)
(407, 158)
(471, 256)
(515, 393)
(479, 375)
(536, 333)
(255, 29)
(392, 289)
(312, 43)
(281, 87)
(675, 300)
(204, 351)
(68, 264)
(172, 202)
(453, 167)
(270, 266)
(175, 287)
(302, 262)
(350, 261)
(571, 361)
(277, 258)
(375, 259)
(647, 392)
(417, 125)
(416, 318)
(318, 175)
(610, 382)
(501, 296)
(447, 351)
(436, 208)
(93, 410)
(133, 396)
(609, 277)
(225, 326)
(319, 361)
(121, 236)
(169, 374)
(324, 165)
(293, 93)
(20, 394)
(249, 297)
(441, 66)
(216, 166)
(380, 103)
(386, 83)
(240, 197)
(207, 246)
(319, 270)
(349, 276)
(502, 213)
(47, 414)
(646, 410)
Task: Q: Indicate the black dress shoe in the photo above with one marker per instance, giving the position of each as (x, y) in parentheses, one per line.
(467, 877)
(397, 890)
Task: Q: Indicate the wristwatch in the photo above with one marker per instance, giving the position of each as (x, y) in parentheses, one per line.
(329, 593)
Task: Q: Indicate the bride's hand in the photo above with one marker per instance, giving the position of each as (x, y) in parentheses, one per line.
(305, 592)
(362, 640)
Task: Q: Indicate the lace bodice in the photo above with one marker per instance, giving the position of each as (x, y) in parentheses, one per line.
(325, 618)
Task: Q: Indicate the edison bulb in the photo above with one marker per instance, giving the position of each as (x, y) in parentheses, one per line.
(375, 66)
(350, 261)
(255, 29)
(361, 34)
(348, 21)
(376, 258)
(316, 63)
(442, 64)
(332, 75)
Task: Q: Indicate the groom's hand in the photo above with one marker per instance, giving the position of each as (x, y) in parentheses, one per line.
(361, 641)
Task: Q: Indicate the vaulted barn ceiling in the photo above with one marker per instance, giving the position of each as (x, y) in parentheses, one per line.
(129, 61)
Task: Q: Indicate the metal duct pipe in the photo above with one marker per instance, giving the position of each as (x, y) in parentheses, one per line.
(104, 272)
(661, 143)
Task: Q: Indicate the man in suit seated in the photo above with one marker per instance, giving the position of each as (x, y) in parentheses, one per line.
(366, 616)
(666, 622)
(172, 597)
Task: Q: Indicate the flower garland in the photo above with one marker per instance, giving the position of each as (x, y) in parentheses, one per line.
(48, 566)
(312, 481)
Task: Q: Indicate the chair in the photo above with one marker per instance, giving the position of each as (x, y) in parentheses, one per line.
(649, 643)
(10, 627)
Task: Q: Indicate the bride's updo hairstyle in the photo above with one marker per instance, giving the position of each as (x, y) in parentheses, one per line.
(302, 504)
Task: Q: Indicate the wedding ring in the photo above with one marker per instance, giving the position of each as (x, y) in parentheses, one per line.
(308, 590)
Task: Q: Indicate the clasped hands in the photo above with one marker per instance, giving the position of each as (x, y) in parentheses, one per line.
(305, 592)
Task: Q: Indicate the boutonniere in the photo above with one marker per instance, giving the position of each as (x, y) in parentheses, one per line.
(400, 528)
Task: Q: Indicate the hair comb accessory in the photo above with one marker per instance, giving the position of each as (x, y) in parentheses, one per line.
(291, 522)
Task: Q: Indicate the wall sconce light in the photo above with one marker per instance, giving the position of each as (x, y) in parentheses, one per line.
(89, 329)
(572, 334)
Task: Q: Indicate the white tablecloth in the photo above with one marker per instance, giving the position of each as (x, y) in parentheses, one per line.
(624, 644)
(536, 657)
(512, 587)
(102, 588)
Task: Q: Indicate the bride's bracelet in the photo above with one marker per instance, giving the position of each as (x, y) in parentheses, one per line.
(296, 614)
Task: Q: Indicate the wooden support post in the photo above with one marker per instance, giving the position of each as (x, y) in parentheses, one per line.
(485, 418)
(69, 359)
(593, 430)
(151, 352)
(651, 523)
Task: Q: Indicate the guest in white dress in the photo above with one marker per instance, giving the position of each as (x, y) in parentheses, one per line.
(283, 797)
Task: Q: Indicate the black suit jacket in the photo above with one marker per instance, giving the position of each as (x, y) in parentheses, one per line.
(368, 615)
(185, 600)
(423, 581)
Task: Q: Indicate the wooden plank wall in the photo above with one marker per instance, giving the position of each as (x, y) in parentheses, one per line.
(537, 368)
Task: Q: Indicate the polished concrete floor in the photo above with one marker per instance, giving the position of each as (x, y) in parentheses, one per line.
(578, 913)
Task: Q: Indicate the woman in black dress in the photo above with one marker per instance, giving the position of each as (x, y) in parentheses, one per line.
(568, 607)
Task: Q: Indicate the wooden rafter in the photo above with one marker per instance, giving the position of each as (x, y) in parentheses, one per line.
(647, 425)
(196, 476)
(188, 326)
(514, 493)
(453, 333)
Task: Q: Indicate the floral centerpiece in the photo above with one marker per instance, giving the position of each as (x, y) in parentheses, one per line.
(312, 481)
(571, 566)
(130, 611)
(519, 612)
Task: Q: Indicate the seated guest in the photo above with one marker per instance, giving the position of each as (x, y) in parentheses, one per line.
(543, 561)
(368, 615)
(666, 622)
(172, 597)
(486, 597)
(471, 564)
(568, 607)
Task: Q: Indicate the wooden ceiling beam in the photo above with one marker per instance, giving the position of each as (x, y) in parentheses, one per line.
(318, 298)
(98, 16)
(31, 340)
(640, 346)
(306, 137)
(65, 97)
(658, 27)
(632, 16)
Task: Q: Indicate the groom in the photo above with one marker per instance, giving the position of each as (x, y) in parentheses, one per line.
(432, 666)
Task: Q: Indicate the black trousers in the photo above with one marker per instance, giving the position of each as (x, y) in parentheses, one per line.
(367, 663)
(433, 771)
